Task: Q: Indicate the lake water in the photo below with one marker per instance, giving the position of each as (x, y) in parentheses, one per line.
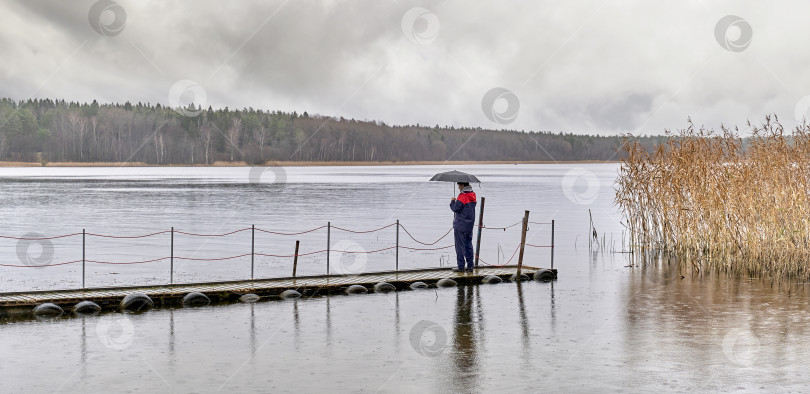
(603, 326)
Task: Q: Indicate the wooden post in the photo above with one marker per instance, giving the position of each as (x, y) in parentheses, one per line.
(83, 233)
(252, 247)
(171, 260)
(522, 241)
(480, 227)
(552, 243)
(328, 244)
(397, 249)
(295, 258)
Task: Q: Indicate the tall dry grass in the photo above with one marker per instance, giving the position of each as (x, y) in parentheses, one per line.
(720, 202)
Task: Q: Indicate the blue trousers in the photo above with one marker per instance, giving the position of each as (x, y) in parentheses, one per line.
(464, 249)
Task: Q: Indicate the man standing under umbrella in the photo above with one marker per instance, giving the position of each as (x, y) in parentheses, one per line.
(463, 222)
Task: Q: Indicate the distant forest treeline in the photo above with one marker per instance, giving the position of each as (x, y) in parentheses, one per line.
(59, 131)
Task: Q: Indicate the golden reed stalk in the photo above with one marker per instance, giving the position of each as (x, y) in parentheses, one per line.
(721, 202)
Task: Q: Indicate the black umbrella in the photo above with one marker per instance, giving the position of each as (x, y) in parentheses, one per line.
(455, 176)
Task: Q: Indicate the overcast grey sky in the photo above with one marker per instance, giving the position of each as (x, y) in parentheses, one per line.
(574, 66)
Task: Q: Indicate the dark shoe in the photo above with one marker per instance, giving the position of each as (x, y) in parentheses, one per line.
(459, 270)
(470, 269)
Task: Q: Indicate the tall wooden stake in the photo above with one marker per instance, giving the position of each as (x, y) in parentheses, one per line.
(171, 260)
(480, 227)
(328, 244)
(295, 259)
(522, 241)
(83, 233)
(552, 243)
(396, 268)
(252, 247)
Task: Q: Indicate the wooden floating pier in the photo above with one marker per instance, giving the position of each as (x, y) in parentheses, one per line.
(109, 298)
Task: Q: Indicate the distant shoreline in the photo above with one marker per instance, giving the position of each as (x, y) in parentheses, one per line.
(288, 163)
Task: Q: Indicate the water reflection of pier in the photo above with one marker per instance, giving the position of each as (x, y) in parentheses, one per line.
(465, 351)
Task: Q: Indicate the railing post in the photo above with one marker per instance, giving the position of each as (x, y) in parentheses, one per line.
(252, 247)
(295, 257)
(480, 227)
(552, 243)
(328, 244)
(397, 249)
(83, 263)
(522, 242)
(171, 259)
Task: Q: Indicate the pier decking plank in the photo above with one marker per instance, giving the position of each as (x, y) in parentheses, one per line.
(170, 294)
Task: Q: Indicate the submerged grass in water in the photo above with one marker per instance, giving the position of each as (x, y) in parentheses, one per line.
(722, 202)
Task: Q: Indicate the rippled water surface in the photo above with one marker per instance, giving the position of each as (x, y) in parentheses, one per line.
(603, 326)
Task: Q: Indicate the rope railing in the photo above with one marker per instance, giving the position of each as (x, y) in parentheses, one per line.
(269, 255)
(539, 246)
(261, 230)
(500, 228)
(426, 243)
(212, 259)
(504, 264)
(126, 237)
(40, 265)
(212, 235)
(295, 233)
(431, 246)
(363, 232)
(290, 255)
(127, 262)
(39, 238)
(439, 248)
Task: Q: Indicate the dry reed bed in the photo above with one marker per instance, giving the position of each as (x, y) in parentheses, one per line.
(718, 204)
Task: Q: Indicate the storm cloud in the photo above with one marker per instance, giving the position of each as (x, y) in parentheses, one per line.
(575, 66)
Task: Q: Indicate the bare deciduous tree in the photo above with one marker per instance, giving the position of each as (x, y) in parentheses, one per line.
(260, 135)
(206, 138)
(77, 125)
(234, 132)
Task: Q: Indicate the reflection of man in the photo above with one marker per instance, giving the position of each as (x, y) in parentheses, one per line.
(464, 208)
(465, 344)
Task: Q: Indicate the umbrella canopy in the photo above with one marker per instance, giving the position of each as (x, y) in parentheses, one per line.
(455, 176)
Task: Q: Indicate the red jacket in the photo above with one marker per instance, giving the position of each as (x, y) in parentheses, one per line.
(464, 208)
